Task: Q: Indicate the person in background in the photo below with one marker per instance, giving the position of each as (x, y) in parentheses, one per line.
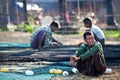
(98, 33)
(89, 57)
(42, 37)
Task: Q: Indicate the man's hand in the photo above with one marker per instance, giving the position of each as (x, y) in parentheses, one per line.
(73, 59)
(59, 44)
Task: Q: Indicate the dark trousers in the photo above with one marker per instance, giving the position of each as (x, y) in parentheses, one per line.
(102, 41)
(93, 66)
(37, 39)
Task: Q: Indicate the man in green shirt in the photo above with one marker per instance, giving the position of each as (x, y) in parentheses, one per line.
(89, 57)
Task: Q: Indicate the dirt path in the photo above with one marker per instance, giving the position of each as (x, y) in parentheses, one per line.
(23, 37)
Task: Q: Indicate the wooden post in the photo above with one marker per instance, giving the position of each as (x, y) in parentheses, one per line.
(110, 14)
(78, 4)
(7, 11)
(62, 7)
(25, 11)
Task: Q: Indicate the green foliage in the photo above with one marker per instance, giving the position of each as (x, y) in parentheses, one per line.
(21, 27)
(31, 20)
(112, 33)
(11, 27)
(25, 28)
(0, 30)
(29, 28)
(108, 33)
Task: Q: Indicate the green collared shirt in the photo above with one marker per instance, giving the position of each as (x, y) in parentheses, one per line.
(85, 51)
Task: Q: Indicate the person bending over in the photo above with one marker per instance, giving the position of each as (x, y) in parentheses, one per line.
(42, 37)
(98, 33)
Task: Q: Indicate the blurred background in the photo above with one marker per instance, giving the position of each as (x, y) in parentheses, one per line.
(19, 18)
(27, 15)
(66, 11)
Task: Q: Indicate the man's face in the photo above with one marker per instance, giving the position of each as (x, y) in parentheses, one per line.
(53, 28)
(90, 40)
(87, 25)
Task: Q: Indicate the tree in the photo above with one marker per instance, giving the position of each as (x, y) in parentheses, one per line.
(62, 8)
(7, 11)
(25, 11)
(110, 14)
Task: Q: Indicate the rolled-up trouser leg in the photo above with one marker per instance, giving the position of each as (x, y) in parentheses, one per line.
(37, 39)
(92, 66)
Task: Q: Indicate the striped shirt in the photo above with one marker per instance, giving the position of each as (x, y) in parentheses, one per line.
(48, 37)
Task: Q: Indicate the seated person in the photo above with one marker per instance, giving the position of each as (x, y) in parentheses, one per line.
(98, 33)
(42, 37)
(89, 57)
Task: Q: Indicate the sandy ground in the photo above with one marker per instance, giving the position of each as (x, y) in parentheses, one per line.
(19, 37)
(115, 75)
(23, 37)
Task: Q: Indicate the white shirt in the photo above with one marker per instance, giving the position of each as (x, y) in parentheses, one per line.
(97, 31)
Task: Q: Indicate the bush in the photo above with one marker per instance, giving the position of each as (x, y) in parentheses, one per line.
(25, 28)
(29, 28)
(112, 33)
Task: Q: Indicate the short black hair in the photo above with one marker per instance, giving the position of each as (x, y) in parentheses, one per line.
(87, 20)
(55, 24)
(87, 33)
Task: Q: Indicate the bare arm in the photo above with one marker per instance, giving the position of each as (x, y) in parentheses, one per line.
(56, 42)
(73, 59)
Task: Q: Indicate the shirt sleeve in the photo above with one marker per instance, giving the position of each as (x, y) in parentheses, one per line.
(80, 51)
(90, 52)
